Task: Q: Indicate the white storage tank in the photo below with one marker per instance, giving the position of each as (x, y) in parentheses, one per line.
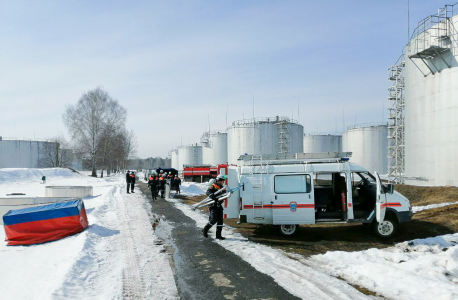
(320, 142)
(214, 148)
(16, 153)
(369, 145)
(189, 155)
(431, 101)
(264, 136)
(175, 159)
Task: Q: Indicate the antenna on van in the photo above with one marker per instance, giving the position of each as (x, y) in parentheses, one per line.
(227, 109)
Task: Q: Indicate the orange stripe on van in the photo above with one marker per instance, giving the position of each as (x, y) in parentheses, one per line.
(391, 204)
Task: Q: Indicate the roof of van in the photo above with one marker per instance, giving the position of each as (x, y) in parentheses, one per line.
(302, 167)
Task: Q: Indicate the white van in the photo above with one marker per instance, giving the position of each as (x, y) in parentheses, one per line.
(292, 189)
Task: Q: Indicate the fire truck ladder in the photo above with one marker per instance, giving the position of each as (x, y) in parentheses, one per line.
(256, 181)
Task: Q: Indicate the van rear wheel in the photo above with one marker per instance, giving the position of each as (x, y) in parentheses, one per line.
(288, 230)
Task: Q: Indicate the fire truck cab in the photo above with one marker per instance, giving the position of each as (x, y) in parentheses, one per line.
(292, 189)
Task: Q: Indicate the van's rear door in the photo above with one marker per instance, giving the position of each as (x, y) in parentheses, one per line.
(380, 205)
(232, 204)
(293, 201)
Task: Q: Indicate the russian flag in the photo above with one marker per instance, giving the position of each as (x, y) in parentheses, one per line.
(40, 224)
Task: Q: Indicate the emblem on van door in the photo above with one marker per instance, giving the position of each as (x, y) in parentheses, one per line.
(293, 206)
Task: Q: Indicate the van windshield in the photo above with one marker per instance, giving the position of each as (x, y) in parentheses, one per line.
(367, 177)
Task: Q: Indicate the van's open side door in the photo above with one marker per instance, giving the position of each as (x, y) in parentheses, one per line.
(380, 204)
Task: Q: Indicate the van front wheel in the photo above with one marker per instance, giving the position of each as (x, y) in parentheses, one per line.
(387, 228)
(288, 230)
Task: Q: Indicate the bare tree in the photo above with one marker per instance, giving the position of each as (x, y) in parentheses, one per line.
(92, 121)
(55, 153)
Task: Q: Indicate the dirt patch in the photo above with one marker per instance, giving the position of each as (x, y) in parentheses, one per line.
(425, 195)
(321, 238)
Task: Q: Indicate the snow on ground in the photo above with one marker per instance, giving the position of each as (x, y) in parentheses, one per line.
(298, 279)
(416, 209)
(114, 258)
(419, 269)
(193, 189)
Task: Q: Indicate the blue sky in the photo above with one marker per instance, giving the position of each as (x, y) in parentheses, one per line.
(176, 64)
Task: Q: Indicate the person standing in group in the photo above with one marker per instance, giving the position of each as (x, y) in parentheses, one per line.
(216, 208)
(128, 181)
(132, 182)
(177, 183)
(162, 185)
(153, 186)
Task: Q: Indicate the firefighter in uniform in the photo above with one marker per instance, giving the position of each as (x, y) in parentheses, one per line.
(177, 182)
(162, 185)
(132, 182)
(152, 183)
(216, 208)
(128, 181)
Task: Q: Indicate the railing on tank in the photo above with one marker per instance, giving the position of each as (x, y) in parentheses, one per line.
(322, 133)
(23, 139)
(432, 37)
(429, 22)
(364, 125)
(253, 121)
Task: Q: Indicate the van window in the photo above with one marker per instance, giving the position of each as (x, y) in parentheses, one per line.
(361, 177)
(292, 184)
(323, 179)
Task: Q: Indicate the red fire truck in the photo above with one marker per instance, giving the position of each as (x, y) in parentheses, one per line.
(203, 173)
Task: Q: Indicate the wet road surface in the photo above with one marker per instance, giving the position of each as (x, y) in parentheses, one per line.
(203, 269)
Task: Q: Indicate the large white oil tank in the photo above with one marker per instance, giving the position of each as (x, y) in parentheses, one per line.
(264, 136)
(431, 102)
(320, 142)
(214, 148)
(369, 145)
(189, 155)
(16, 153)
(175, 159)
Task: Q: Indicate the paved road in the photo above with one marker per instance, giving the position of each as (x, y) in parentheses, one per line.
(204, 269)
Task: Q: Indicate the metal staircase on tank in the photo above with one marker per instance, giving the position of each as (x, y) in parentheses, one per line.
(256, 182)
(396, 122)
(283, 135)
(205, 139)
(195, 158)
(433, 38)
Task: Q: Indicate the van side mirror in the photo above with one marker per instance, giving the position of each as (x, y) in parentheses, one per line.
(390, 188)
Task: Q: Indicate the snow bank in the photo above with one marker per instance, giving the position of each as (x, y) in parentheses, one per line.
(416, 209)
(116, 254)
(10, 174)
(418, 269)
(193, 189)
